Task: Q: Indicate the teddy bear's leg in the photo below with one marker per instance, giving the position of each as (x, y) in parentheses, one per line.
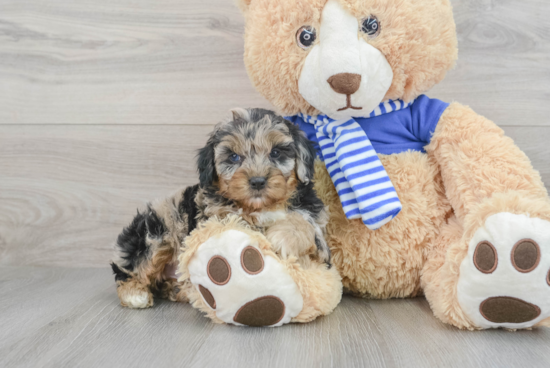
(440, 275)
(320, 287)
(237, 278)
(499, 268)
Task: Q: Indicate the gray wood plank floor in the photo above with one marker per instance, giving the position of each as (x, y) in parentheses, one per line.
(58, 317)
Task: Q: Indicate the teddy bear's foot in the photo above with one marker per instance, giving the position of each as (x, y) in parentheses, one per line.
(241, 284)
(505, 279)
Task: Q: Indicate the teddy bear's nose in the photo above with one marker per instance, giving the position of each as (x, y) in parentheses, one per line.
(345, 83)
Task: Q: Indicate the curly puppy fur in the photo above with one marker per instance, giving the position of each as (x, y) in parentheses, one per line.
(148, 244)
(255, 165)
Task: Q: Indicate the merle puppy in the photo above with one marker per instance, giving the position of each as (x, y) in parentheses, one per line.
(257, 165)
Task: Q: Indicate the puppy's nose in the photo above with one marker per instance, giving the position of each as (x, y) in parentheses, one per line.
(257, 182)
(345, 83)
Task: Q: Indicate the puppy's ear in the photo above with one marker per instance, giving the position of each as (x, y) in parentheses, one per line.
(243, 5)
(206, 164)
(240, 113)
(305, 154)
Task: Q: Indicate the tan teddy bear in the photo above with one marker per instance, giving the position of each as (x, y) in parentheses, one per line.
(472, 233)
(424, 197)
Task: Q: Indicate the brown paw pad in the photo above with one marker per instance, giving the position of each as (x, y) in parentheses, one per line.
(219, 270)
(505, 309)
(485, 257)
(526, 255)
(264, 311)
(208, 297)
(252, 261)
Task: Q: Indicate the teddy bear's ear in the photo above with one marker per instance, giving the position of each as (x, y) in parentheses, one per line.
(243, 5)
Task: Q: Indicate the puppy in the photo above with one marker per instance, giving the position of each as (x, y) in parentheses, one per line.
(256, 165)
(260, 166)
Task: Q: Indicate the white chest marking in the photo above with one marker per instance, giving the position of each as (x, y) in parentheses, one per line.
(267, 217)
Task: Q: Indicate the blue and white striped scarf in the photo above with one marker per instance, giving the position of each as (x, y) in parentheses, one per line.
(362, 183)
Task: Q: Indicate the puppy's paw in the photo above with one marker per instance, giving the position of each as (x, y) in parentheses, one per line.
(298, 246)
(138, 300)
(292, 236)
(241, 284)
(134, 295)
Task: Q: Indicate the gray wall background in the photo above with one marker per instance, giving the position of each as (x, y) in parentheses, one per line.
(103, 104)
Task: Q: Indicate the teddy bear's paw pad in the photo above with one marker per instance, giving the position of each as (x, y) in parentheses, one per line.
(526, 255)
(502, 309)
(264, 311)
(242, 285)
(207, 296)
(219, 270)
(505, 279)
(252, 260)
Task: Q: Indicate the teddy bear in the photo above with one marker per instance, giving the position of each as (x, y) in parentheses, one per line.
(424, 197)
(464, 217)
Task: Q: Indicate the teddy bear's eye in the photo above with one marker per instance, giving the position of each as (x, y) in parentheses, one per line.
(370, 26)
(305, 37)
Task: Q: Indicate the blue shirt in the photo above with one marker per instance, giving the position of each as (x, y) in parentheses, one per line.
(408, 129)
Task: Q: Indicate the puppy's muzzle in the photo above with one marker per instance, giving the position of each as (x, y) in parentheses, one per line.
(257, 183)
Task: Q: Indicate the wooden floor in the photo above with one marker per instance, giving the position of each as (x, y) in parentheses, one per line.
(59, 317)
(103, 105)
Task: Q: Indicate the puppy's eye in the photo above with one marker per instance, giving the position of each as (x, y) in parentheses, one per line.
(275, 153)
(235, 158)
(370, 26)
(305, 37)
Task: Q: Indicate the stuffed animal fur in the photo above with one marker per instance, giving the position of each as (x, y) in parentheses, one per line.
(473, 231)
(472, 204)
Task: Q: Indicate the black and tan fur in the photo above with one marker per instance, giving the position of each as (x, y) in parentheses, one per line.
(254, 146)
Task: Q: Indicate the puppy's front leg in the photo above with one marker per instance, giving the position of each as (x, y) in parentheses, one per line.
(291, 236)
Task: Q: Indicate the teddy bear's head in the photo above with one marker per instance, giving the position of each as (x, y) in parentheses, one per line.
(343, 57)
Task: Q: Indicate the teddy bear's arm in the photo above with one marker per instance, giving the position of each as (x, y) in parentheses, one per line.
(477, 160)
